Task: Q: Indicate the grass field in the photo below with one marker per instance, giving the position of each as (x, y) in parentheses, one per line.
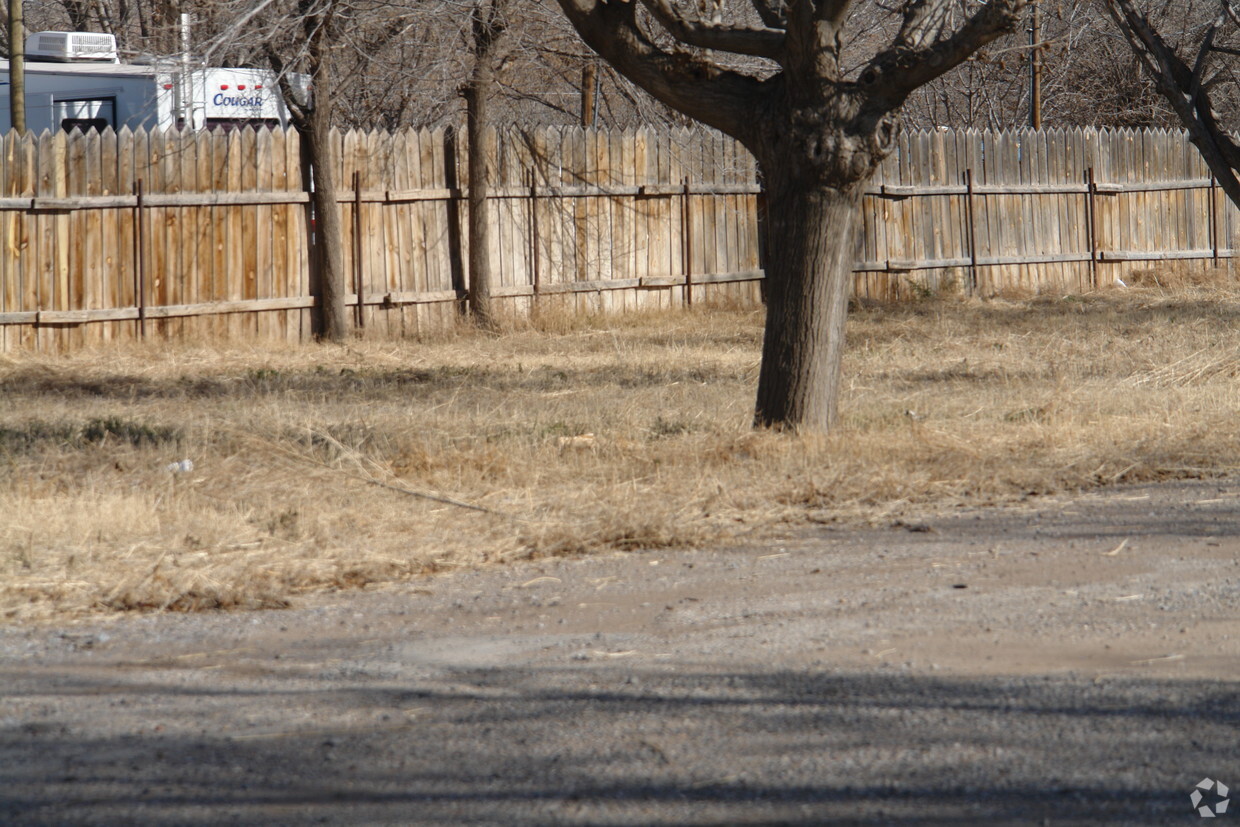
(346, 467)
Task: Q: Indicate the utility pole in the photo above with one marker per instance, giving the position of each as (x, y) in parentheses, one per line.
(185, 90)
(1035, 66)
(589, 92)
(17, 66)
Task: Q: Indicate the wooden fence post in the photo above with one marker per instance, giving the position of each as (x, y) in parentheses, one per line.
(314, 269)
(972, 228)
(1091, 210)
(687, 242)
(1213, 212)
(535, 260)
(139, 256)
(358, 270)
(456, 251)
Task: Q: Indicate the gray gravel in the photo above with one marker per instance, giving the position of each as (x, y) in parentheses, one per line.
(1065, 661)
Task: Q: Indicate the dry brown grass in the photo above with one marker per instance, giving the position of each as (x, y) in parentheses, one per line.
(344, 467)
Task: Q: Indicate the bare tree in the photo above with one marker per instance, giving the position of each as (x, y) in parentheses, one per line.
(326, 41)
(818, 121)
(1191, 76)
(312, 50)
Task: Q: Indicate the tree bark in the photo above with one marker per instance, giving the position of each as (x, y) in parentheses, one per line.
(328, 224)
(477, 91)
(807, 286)
(816, 153)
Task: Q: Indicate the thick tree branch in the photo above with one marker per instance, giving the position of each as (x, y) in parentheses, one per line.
(924, 21)
(773, 13)
(834, 12)
(694, 31)
(704, 91)
(1203, 55)
(920, 53)
(488, 31)
(1229, 9)
(1181, 88)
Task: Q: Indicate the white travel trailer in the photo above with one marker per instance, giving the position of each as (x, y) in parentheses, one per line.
(74, 80)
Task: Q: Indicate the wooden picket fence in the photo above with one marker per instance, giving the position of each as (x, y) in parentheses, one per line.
(1062, 211)
(210, 234)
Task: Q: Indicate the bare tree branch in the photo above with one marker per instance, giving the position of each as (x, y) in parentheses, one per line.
(773, 13)
(1181, 87)
(924, 21)
(694, 31)
(298, 109)
(1230, 10)
(920, 53)
(1202, 55)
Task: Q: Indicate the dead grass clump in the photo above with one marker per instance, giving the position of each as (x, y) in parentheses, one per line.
(343, 467)
(1179, 275)
(107, 431)
(630, 530)
(162, 593)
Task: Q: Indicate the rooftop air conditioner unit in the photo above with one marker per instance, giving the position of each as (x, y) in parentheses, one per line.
(72, 47)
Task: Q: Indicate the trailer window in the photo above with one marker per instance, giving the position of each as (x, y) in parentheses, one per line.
(229, 124)
(84, 124)
(85, 114)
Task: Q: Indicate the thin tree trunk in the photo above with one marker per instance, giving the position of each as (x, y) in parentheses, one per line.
(477, 93)
(328, 225)
(807, 284)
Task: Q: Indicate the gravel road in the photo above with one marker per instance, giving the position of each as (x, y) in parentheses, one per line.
(1071, 660)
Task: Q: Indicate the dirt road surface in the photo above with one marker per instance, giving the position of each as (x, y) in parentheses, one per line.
(1071, 660)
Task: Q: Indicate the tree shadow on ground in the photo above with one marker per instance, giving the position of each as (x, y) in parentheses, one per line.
(649, 744)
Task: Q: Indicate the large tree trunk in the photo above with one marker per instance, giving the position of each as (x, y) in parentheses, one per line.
(328, 224)
(814, 172)
(807, 284)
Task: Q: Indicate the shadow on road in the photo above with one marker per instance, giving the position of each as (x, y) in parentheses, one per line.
(613, 745)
